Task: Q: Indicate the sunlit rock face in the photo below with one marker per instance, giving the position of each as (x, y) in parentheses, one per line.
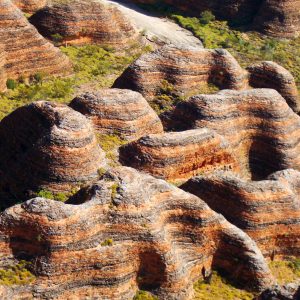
(27, 52)
(124, 232)
(85, 22)
(30, 6)
(46, 146)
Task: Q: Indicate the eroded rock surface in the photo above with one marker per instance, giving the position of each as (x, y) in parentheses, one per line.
(260, 126)
(179, 155)
(30, 6)
(130, 231)
(122, 112)
(269, 74)
(186, 68)
(27, 52)
(268, 210)
(84, 22)
(46, 146)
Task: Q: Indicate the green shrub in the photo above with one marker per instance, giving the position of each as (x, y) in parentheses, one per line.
(11, 84)
(17, 274)
(114, 190)
(107, 243)
(57, 38)
(144, 295)
(206, 17)
(101, 172)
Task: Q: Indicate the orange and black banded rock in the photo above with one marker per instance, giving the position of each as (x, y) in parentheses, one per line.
(186, 68)
(48, 146)
(27, 52)
(279, 18)
(262, 129)
(3, 76)
(30, 6)
(178, 156)
(122, 112)
(85, 22)
(268, 74)
(267, 210)
(125, 232)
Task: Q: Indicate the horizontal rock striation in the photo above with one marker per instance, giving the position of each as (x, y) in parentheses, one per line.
(179, 155)
(127, 231)
(268, 74)
(267, 210)
(84, 22)
(279, 18)
(260, 126)
(122, 112)
(186, 68)
(3, 75)
(46, 146)
(30, 6)
(27, 52)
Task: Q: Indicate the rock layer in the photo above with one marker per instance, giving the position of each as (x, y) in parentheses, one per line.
(268, 210)
(275, 17)
(27, 52)
(186, 68)
(122, 112)
(262, 129)
(143, 234)
(3, 75)
(84, 22)
(30, 6)
(179, 155)
(268, 74)
(46, 146)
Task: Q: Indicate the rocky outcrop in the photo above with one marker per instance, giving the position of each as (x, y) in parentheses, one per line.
(125, 232)
(275, 17)
(3, 76)
(260, 126)
(122, 112)
(186, 68)
(27, 52)
(280, 18)
(85, 22)
(267, 210)
(46, 146)
(178, 156)
(30, 6)
(268, 74)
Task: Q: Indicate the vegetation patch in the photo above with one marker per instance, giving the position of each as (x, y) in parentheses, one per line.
(94, 66)
(144, 295)
(107, 243)
(17, 274)
(63, 197)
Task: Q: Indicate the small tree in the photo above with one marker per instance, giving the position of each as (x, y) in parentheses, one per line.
(57, 38)
(206, 17)
(11, 84)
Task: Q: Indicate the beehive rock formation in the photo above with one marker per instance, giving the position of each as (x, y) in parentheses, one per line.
(186, 68)
(30, 6)
(3, 76)
(155, 231)
(122, 112)
(179, 155)
(268, 74)
(262, 129)
(280, 18)
(268, 210)
(274, 17)
(84, 22)
(46, 146)
(27, 52)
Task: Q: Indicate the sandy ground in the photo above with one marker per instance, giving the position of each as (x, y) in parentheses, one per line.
(155, 28)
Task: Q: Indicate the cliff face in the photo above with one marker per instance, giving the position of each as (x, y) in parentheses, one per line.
(3, 75)
(279, 18)
(122, 112)
(268, 210)
(186, 68)
(268, 74)
(104, 247)
(30, 6)
(260, 126)
(179, 155)
(46, 146)
(27, 52)
(84, 21)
